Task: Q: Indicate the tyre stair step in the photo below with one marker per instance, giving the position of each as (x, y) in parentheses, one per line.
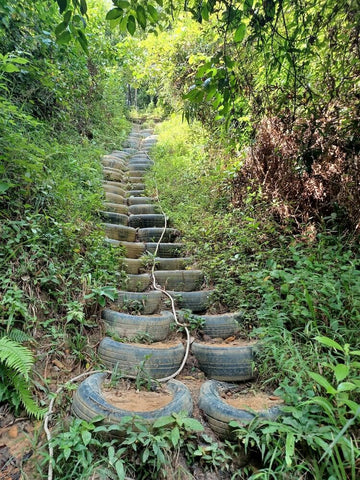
(115, 218)
(140, 200)
(138, 265)
(156, 327)
(146, 220)
(153, 234)
(116, 207)
(143, 209)
(144, 303)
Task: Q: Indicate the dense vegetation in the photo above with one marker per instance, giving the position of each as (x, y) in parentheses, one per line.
(263, 182)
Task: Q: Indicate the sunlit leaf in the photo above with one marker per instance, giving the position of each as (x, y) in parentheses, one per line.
(114, 13)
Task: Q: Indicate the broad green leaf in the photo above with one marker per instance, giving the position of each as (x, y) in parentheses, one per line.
(175, 436)
(123, 4)
(114, 13)
(323, 382)
(329, 342)
(83, 41)
(153, 12)
(162, 421)
(67, 17)
(119, 467)
(354, 407)
(62, 5)
(67, 453)
(131, 25)
(324, 403)
(289, 448)
(60, 28)
(205, 12)
(64, 38)
(4, 186)
(341, 371)
(240, 33)
(159, 2)
(86, 437)
(83, 7)
(346, 387)
(20, 60)
(192, 424)
(141, 16)
(10, 68)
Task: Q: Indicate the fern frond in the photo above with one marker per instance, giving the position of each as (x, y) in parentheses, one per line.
(22, 388)
(17, 335)
(16, 356)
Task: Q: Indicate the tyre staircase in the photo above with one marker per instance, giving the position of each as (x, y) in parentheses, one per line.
(136, 222)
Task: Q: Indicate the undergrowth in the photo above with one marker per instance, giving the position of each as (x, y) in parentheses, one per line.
(293, 285)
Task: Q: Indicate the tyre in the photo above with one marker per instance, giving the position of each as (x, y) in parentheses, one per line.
(154, 234)
(126, 357)
(146, 220)
(116, 189)
(132, 249)
(132, 265)
(142, 209)
(115, 218)
(114, 198)
(116, 207)
(172, 263)
(165, 250)
(89, 402)
(120, 232)
(227, 363)
(219, 413)
(136, 283)
(140, 200)
(157, 327)
(180, 280)
(221, 326)
(145, 303)
(194, 301)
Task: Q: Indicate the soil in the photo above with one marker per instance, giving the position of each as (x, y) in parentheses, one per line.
(256, 401)
(229, 342)
(165, 344)
(126, 397)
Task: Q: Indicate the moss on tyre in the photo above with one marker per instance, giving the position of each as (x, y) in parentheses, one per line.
(219, 413)
(227, 363)
(130, 326)
(160, 362)
(221, 326)
(89, 402)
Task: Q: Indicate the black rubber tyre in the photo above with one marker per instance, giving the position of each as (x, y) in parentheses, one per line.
(120, 232)
(136, 186)
(142, 209)
(116, 207)
(136, 283)
(145, 303)
(130, 326)
(114, 198)
(172, 263)
(111, 174)
(89, 402)
(218, 413)
(132, 249)
(135, 193)
(145, 220)
(226, 363)
(132, 265)
(221, 326)
(115, 218)
(116, 189)
(139, 167)
(194, 301)
(180, 280)
(160, 363)
(165, 250)
(140, 200)
(154, 234)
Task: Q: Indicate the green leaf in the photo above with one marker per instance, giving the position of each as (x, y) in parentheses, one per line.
(346, 387)
(175, 436)
(62, 5)
(160, 2)
(119, 467)
(329, 342)
(323, 382)
(86, 437)
(153, 12)
(83, 7)
(67, 17)
(192, 424)
(289, 448)
(83, 41)
(162, 421)
(131, 25)
(60, 28)
(141, 16)
(10, 68)
(114, 13)
(205, 12)
(123, 4)
(64, 38)
(341, 371)
(67, 453)
(240, 33)
(20, 60)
